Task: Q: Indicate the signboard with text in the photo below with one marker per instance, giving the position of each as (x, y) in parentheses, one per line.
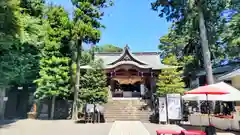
(162, 109)
(174, 106)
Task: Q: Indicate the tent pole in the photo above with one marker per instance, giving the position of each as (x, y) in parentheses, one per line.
(208, 107)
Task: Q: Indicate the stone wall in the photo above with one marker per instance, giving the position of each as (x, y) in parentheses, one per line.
(62, 109)
(17, 104)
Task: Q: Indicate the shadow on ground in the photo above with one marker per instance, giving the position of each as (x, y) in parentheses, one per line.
(6, 123)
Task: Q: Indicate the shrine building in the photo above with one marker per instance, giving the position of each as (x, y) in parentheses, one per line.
(131, 74)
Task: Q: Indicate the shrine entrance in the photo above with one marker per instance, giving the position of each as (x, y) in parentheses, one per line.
(128, 84)
(125, 87)
(129, 75)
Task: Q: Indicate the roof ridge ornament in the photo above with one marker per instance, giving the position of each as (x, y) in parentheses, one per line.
(127, 56)
(126, 47)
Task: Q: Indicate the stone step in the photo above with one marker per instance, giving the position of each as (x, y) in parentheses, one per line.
(126, 113)
(113, 120)
(126, 110)
(129, 117)
(126, 119)
(125, 104)
(126, 116)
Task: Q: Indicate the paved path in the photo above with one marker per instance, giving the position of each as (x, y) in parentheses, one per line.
(55, 127)
(128, 128)
(153, 127)
(68, 127)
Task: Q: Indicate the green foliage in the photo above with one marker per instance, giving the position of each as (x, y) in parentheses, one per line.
(176, 45)
(9, 26)
(33, 7)
(54, 65)
(93, 85)
(185, 27)
(231, 36)
(9, 11)
(87, 16)
(59, 24)
(19, 54)
(86, 29)
(54, 78)
(20, 66)
(170, 80)
(107, 48)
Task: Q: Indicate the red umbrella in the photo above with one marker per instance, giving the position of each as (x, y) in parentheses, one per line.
(208, 89)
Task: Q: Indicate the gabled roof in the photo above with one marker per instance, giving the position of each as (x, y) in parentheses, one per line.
(140, 59)
(127, 56)
(230, 75)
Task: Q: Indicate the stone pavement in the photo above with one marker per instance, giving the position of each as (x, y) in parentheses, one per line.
(128, 128)
(55, 127)
(68, 127)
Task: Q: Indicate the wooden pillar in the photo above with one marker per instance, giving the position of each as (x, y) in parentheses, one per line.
(111, 89)
(142, 91)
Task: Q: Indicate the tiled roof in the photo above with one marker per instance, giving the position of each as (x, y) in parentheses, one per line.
(152, 59)
(230, 75)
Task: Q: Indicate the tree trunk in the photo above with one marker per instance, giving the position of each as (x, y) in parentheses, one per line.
(53, 107)
(2, 102)
(205, 47)
(92, 52)
(76, 89)
(72, 79)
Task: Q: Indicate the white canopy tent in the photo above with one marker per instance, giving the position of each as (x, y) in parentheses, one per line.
(234, 94)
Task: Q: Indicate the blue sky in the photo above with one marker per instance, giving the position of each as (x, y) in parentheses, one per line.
(129, 22)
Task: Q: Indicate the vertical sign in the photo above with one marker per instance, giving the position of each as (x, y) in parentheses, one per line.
(162, 109)
(174, 106)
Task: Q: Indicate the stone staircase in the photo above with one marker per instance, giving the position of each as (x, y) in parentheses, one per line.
(126, 110)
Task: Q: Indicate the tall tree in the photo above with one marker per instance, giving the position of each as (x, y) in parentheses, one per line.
(21, 34)
(9, 26)
(231, 37)
(170, 80)
(93, 85)
(86, 30)
(54, 65)
(200, 27)
(33, 7)
(107, 48)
